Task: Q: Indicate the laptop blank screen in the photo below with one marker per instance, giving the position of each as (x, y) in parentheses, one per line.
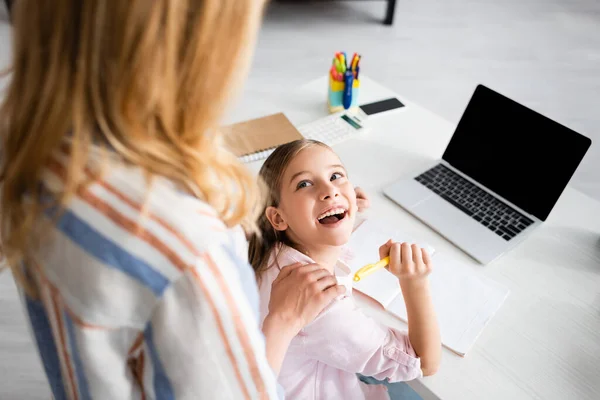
(514, 151)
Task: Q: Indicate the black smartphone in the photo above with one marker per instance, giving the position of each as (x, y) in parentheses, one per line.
(381, 106)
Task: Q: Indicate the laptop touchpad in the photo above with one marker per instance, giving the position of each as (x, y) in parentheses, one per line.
(408, 193)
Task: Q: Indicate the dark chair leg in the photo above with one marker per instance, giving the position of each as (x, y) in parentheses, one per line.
(8, 5)
(389, 14)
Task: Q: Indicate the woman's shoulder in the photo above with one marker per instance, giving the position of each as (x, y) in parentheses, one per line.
(175, 222)
(140, 238)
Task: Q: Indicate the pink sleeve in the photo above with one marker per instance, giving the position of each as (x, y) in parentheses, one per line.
(345, 338)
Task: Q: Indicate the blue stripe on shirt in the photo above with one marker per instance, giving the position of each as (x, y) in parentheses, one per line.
(96, 244)
(44, 338)
(162, 386)
(247, 279)
(82, 383)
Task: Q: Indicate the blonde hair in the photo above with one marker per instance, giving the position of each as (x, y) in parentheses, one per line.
(264, 241)
(146, 79)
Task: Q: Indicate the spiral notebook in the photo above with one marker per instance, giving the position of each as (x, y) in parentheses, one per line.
(256, 139)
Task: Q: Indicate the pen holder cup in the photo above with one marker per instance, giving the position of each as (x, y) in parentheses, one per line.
(335, 95)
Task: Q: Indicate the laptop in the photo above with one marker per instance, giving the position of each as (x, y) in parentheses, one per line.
(501, 174)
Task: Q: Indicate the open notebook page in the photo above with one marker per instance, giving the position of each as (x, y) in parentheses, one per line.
(463, 302)
(364, 249)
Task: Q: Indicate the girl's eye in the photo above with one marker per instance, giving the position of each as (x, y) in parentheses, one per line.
(336, 175)
(303, 184)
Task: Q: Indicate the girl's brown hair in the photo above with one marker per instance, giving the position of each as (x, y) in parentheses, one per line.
(261, 243)
(146, 79)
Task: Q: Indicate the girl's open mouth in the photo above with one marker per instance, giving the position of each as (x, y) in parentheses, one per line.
(333, 216)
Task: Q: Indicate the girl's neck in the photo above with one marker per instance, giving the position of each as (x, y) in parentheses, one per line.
(326, 256)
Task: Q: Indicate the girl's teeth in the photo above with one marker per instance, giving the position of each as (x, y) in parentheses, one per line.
(332, 212)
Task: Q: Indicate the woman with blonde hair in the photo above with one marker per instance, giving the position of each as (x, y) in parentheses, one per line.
(121, 209)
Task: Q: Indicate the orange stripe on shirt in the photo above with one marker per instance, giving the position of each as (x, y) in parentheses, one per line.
(121, 220)
(222, 333)
(117, 193)
(139, 340)
(140, 373)
(63, 343)
(240, 329)
(136, 366)
(132, 227)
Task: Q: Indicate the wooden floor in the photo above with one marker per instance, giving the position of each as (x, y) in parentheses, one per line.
(543, 53)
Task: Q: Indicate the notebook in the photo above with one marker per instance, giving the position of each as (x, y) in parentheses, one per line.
(257, 138)
(464, 303)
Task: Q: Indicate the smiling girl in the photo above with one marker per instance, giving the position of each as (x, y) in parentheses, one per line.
(308, 218)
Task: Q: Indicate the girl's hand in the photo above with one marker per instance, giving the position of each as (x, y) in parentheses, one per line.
(409, 263)
(300, 293)
(362, 200)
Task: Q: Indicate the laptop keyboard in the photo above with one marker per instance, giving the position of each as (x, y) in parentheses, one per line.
(484, 208)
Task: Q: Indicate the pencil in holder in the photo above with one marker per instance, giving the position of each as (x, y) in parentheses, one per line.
(344, 83)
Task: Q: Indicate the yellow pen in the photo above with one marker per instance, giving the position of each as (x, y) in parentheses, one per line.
(343, 62)
(370, 268)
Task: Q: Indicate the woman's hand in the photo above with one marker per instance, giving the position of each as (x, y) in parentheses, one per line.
(298, 295)
(362, 200)
(407, 262)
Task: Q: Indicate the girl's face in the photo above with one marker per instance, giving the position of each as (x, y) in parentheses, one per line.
(317, 203)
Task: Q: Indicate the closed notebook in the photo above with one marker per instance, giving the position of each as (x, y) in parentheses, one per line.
(464, 303)
(257, 138)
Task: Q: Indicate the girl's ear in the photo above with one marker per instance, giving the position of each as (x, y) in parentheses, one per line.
(275, 218)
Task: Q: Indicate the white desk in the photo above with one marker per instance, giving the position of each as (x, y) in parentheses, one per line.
(544, 343)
